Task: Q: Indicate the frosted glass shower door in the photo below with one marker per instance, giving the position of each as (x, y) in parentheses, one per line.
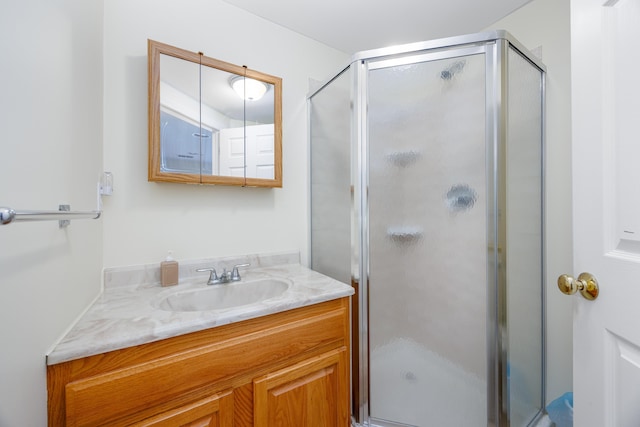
(427, 216)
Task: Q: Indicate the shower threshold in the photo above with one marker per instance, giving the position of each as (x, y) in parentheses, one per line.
(380, 423)
(541, 421)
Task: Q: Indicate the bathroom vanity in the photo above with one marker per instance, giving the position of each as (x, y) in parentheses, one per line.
(279, 362)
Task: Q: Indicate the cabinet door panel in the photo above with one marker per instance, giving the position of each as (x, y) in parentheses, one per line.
(312, 393)
(213, 411)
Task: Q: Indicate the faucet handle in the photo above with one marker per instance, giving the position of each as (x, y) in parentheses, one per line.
(235, 274)
(213, 277)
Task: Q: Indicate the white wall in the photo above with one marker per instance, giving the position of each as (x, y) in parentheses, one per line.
(68, 66)
(50, 154)
(545, 23)
(144, 220)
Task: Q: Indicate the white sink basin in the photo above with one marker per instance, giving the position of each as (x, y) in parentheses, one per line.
(224, 296)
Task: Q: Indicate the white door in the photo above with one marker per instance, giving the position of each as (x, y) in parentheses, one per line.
(606, 208)
(232, 152)
(260, 151)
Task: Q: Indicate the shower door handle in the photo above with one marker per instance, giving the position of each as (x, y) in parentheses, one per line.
(586, 283)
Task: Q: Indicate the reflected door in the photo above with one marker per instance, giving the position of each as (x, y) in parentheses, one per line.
(427, 240)
(247, 150)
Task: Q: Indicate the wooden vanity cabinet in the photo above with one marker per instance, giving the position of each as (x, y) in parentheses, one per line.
(284, 369)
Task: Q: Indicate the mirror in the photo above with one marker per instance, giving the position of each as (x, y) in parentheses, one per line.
(212, 122)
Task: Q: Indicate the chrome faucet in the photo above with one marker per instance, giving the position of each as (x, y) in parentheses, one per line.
(225, 276)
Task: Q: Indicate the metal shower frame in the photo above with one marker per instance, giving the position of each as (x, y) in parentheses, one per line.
(495, 46)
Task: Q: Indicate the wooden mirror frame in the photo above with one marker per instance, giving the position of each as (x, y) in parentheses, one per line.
(155, 49)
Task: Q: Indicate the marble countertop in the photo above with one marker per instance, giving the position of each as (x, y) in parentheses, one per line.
(125, 316)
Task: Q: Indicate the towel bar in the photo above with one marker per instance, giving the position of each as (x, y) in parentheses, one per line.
(8, 215)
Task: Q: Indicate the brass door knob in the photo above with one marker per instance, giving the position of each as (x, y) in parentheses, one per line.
(585, 283)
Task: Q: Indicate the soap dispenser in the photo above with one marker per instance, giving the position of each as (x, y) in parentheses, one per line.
(169, 271)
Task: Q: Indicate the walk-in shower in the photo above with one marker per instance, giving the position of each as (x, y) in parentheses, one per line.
(426, 195)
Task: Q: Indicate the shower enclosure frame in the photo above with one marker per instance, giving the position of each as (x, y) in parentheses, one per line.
(495, 46)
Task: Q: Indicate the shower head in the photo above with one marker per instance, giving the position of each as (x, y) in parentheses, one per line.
(452, 70)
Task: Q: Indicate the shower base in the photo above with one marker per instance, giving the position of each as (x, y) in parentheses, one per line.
(412, 386)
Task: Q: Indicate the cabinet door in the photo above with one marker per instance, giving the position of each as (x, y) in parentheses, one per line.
(213, 411)
(312, 393)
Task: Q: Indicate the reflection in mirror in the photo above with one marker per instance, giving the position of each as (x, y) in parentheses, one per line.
(211, 122)
(181, 131)
(259, 138)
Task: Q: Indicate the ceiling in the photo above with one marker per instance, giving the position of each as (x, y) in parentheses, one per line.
(355, 25)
